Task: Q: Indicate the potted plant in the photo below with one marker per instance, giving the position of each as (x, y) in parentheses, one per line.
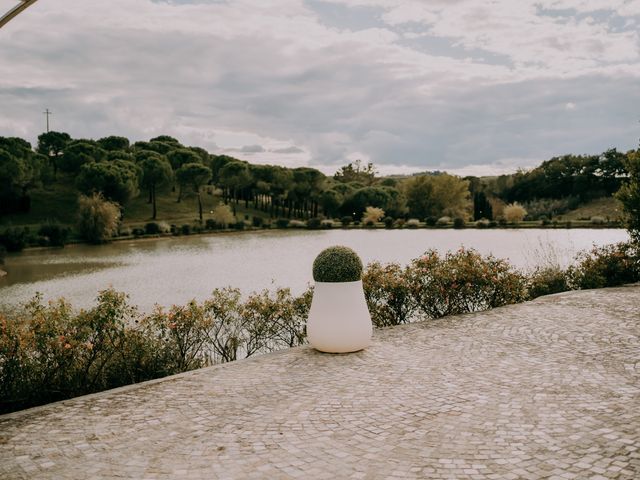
(339, 321)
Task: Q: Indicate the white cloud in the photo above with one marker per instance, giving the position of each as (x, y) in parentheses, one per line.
(450, 84)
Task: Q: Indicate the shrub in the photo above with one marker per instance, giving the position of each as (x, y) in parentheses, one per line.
(597, 220)
(482, 223)
(442, 221)
(493, 224)
(314, 223)
(606, 266)
(56, 234)
(185, 229)
(346, 220)
(297, 224)
(152, 228)
(547, 280)
(399, 223)
(282, 222)
(239, 225)
(124, 232)
(372, 214)
(257, 222)
(502, 221)
(388, 293)
(459, 222)
(327, 224)
(431, 221)
(223, 216)
(369, 224)
(462, 282)
(210, 224)
(514, 212)
(138, 232)
(388, 222)
(97, 218)
(412, 223)
(14, 239)
(337, 264)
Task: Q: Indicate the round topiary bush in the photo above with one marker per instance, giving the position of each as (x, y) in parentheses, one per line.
(337, 264)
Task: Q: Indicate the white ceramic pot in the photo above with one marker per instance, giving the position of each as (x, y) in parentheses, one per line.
(339, 320)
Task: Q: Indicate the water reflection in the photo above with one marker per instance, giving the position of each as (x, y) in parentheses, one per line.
(175, 270)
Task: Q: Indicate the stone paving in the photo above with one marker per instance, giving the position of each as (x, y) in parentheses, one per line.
(545, 389)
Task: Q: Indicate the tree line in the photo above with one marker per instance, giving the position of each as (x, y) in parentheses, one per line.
(120, 170)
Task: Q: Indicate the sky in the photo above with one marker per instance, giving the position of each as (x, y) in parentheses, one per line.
(476, 87)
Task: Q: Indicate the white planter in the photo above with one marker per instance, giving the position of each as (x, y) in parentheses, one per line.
(339, 320)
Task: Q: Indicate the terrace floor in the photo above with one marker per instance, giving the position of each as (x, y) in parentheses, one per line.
(545, 389)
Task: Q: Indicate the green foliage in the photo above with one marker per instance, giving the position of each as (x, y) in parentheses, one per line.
(314, 223)
(116, 180)
(436, 195)
(546, 281)
(346, 220)
(606, 266)
(223, 216)
(388, 222)
(282, 222)
(78, 153)
(56, 234)
(459, 222)
(629, 195)
(113, 143)
(337, 264)
(387, 289)
(97, 218)
(14, 239)
(463, 281)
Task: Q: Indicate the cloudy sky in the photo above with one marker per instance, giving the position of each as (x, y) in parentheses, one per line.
(467, 86)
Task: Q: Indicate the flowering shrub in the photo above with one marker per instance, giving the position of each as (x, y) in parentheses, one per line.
(463, 281)
(546, 281)
(49, 352)
(388, 293)
(606, 266)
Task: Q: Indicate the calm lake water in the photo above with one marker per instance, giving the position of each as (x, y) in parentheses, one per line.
(175, 270)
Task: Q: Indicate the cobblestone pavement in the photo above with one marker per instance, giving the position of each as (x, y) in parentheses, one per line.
(546, 389)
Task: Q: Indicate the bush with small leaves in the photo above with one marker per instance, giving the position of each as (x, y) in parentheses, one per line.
(459, 222)
(346, 220)
(138, 232)
(546, 281)
(431, 221)
(185, 229)
(97, 218)
(210, 224)
(606, 266)
(14, 239)
(297, 224)
(56, 234)
(314, 223)
(239, 225)
(152, 228)
(482, 223)
(327, 224)
(257, 222)
(337, 264)
(388, 222)
(443, 221)
(597, 220)
(388, 293)
(463, 281)
(412, 223)
(282, 222)
(514, 212)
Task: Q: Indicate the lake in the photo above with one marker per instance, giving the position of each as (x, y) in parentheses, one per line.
(178, 269)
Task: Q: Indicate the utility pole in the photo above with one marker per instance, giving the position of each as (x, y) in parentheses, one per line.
(47, 113)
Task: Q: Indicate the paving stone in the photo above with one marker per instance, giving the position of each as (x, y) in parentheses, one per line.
(545, 389)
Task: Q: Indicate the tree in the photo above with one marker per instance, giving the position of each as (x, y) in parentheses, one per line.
(629, 195)
(196, 175)
(79, 153)
(20, 170)
(113, 143)
(156, 172)
(481, 206)
(117, 180)
(357, 172)
(97, 218)
(52, 145)
(356, 203)
(437, 195)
